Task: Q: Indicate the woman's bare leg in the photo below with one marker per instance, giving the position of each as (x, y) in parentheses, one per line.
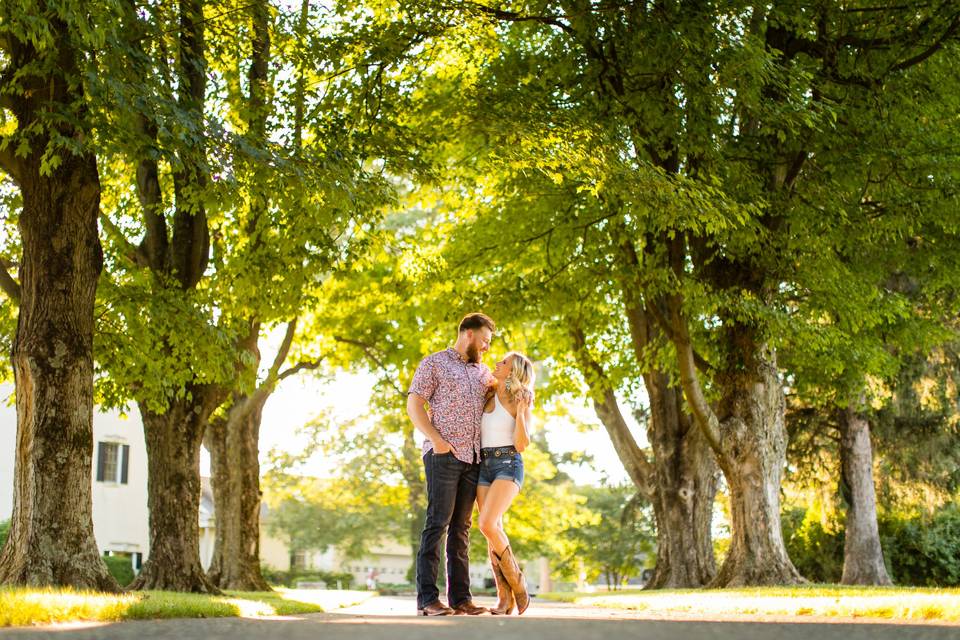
(494, 503)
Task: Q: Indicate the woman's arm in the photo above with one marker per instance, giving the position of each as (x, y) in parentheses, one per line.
(521, 435)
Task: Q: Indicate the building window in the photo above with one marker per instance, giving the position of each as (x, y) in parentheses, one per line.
(299, 560)
(113, 462)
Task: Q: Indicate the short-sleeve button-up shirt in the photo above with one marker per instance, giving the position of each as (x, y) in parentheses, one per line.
(456, 391)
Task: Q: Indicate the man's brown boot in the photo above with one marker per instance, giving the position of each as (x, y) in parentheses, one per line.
(505, 600)
(467, 608)
(435, 609)
(518, 584)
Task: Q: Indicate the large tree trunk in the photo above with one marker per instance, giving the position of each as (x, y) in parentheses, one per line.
(51, 536)
(234, 454)
(686, 480)
(233, 441)
(748, 435)
(686, 472)
(680, 481)
(173, 442)
(862, 555)
(754, 447)
(685, 469)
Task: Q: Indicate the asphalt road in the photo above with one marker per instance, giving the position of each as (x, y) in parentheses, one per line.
(393, 619)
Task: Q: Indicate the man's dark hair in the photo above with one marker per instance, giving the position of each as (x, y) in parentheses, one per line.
(475, 321)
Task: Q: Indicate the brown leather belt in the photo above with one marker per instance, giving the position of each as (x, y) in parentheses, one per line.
(497, 452)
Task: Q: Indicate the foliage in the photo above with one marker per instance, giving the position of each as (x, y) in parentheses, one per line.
(315, 514)
(923, 549)
(920, 549)
(816, 552)
(120, 568)
(4, 532)
(619, 543)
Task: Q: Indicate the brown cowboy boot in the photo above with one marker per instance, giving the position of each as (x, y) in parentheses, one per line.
(518, 584)
(505, 600)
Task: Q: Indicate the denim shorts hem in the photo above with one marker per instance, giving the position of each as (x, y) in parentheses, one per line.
(485, 483)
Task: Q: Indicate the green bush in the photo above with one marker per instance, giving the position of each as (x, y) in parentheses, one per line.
(919, 550)
(923, 550)
(120, 568)
(816, 552)
(291, 577)
(4, 530)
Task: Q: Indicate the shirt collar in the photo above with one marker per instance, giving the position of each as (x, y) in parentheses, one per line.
(456, 355)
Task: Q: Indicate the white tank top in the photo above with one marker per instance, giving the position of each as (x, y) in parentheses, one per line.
(496, 427)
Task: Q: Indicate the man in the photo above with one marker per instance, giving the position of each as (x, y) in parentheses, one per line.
(455, 383)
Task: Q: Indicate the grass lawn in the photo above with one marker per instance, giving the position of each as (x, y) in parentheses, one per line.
(828, 601)
(21, 606)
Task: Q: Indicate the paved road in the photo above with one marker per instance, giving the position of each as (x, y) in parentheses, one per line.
(392, 619)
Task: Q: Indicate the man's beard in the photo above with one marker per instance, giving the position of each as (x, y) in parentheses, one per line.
(473, 354)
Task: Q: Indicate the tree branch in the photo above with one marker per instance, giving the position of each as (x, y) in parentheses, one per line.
(689, 381)
(284, 349)
(368, 350)
(307, 365)
(929, 51)
(511, 16)
(7, 282)
(605, 404)
(132, 252)
(9, 162)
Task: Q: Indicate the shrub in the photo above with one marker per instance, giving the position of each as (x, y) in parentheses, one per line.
(816, 552)
(120, 568)
(4, 530)
(919, 550)
(923, 550)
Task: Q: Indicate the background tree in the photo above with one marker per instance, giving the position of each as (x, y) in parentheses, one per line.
(269, 194)
(618, 547)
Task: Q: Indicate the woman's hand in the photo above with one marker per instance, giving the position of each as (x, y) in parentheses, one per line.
(523, 403)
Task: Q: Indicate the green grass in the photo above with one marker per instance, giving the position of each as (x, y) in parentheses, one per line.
(25, 606)
(827, 601)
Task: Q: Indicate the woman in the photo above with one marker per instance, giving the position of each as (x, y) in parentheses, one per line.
(503, 436)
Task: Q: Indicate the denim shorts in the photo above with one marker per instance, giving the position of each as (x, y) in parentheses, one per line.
(504, 467)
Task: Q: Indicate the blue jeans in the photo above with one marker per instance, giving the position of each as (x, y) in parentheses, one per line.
(451, 492)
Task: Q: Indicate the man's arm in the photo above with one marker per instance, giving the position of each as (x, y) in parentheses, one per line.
(418, 414)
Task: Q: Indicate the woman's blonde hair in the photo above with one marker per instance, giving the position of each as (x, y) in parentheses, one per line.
(519, 382)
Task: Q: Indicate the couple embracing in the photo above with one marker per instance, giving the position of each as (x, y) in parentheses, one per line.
(476, 429)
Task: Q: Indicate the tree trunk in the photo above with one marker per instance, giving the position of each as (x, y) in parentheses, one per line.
(51, 534)
(747, 433)
(681, 480)
(173, 442)
(686, 480)
(685, 469)
(862, 555)
(754, 446)
(234, 454)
